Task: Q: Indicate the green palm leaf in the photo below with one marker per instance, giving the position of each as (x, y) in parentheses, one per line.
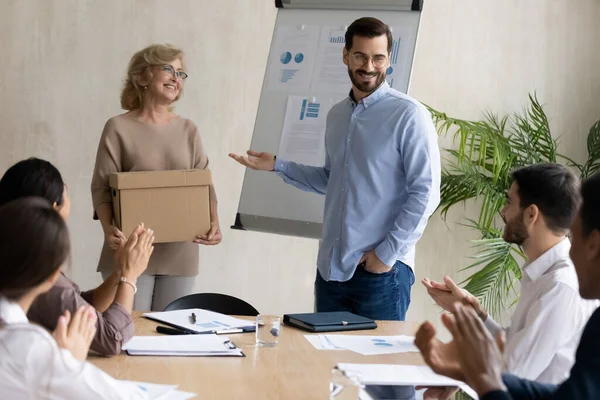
(497, 271)
(464, 181)
(461, 182)
(593, 146)
(530, 136)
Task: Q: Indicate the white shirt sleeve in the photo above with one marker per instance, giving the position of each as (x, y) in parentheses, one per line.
(548, 325)
(492, 326)
(83, 380)
(55, 373)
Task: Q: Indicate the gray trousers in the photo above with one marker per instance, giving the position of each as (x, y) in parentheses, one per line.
(155, 292)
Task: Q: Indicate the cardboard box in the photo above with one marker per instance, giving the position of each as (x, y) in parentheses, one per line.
(175, 204)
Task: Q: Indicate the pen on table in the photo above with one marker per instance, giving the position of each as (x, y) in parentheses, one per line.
(171, 331)
(193, 317)
(174, 331)
(231, 330)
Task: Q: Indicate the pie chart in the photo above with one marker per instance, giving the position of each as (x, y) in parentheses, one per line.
(286, 57)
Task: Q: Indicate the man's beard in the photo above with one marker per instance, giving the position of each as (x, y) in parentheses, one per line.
(366, 87)
(515, 231)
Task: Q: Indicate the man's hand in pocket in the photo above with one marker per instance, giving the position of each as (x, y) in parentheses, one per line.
(373, 264)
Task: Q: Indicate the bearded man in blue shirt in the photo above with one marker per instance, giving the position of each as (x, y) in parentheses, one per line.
(381, 182)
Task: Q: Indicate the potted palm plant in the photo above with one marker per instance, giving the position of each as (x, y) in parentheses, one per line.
(479, 168)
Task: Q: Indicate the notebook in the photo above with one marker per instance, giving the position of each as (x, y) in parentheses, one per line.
(187, 345)
(329, 321)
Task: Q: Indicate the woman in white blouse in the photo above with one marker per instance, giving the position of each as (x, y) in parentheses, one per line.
(34, 244)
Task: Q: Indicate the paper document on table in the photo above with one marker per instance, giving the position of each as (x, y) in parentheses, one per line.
(292, 57)
(162, 392)
(393, 374)
(320, 342)
(205, 321)
(363, 395)
(303, 135)
(182, 345)
(154, 390)
(374, 345)
(177, 395)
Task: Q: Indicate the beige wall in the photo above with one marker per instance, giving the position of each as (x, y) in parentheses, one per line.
(63, 62)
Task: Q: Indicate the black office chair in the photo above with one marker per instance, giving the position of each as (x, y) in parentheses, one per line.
(217, 302)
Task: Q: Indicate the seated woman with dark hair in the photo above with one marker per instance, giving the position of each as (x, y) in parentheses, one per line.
(34, 244)
(113, 299)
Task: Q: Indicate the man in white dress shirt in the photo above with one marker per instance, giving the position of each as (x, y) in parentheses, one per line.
(550, 314)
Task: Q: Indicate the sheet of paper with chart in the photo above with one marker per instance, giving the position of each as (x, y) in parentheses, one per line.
(205, 321)
(320, 342)
(162, 392)
(399, 53)
(372, 345)
(331, 74)
(303, 135)
(292, 58)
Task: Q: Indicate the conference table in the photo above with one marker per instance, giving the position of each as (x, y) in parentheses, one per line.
(294, 369)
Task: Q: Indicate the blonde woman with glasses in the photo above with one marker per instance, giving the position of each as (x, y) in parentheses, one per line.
(151, 137)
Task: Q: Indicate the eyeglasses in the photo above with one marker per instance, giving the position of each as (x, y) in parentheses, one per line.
(171, 71)
(379, 61)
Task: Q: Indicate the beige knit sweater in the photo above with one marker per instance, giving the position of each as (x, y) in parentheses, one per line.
(131, 145)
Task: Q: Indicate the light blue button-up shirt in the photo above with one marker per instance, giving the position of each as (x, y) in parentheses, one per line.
(381, 180)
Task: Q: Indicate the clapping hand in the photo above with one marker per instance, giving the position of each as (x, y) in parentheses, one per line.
(76, 333)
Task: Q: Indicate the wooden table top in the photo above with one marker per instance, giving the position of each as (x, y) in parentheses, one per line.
(293, 369)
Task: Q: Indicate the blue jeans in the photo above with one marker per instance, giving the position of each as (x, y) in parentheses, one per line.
(376, 296)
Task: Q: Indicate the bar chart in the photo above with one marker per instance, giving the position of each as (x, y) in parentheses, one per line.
(287, 75)
(395, 51)
(309, 110)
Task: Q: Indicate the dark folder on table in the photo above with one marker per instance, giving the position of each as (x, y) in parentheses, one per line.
(329, 321)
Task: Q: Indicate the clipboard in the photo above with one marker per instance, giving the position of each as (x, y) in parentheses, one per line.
(205, 322)
(183, 346)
